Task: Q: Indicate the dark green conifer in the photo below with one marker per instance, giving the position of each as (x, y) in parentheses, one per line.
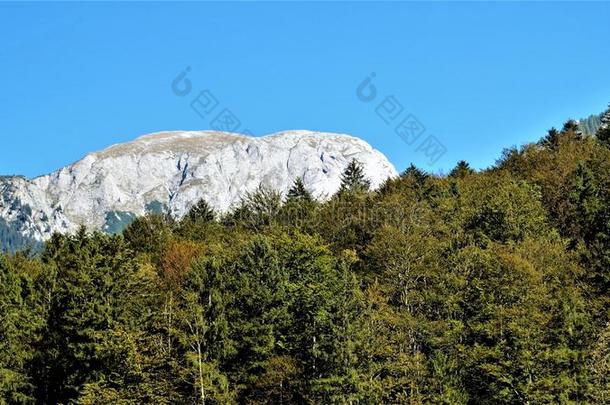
(571, 128)
(298, 192)
(201, 212)
(414, 172)
(353, 179)
(461, 169)
(585, 197)
(551, 140)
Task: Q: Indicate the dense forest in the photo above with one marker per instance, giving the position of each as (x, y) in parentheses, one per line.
(486, 287)
(591, 124)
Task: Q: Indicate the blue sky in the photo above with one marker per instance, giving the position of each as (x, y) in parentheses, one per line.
(77, 77)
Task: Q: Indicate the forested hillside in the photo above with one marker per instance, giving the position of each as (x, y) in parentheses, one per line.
(483, 287)
(591, 124)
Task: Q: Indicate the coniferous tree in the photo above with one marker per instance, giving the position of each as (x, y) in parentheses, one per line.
(551, 140)
(21, 322)
(148, 235)
(353, 179)
(418, 180)
(92, 313)
(298, 192)
(571, 128)
(590, 221)
(202, 331)
(416, 174)
(201, 212)
(461, 170)
(299, 206)
(257, 209)
(490, 288)
(585, 198)
(259, 315)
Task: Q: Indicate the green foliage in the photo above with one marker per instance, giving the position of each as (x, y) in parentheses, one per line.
(413, 172)
(486, 287)
(258, 209)
(600, 364)
(551, 140)
(461, 169)
(201, 212)
(148, 235)
(353, 179)
(298, 210)
(299, 193)
(21, 321)
(92, 317)
(571, 126)
(501, 209)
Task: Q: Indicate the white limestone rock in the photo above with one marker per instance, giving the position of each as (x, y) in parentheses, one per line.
(173, 170)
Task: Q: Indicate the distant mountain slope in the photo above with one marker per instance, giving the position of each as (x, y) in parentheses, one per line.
(170, 171)
(591, 124)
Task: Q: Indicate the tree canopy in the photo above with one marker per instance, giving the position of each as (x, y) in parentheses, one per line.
(480, 287)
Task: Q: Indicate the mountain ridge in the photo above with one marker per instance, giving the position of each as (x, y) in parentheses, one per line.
(169, 171)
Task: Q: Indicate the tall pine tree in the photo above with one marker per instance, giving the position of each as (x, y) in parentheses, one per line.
(201, 212)
(298, 192)
(462, 169)
(551, 140)
(20, 324)
(353, 179)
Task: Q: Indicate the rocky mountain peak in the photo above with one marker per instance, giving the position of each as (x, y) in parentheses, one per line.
(170, 171)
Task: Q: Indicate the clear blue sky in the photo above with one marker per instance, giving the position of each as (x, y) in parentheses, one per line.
(77, 77)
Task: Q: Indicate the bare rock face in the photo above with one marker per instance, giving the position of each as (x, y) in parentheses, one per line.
(171, 171)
